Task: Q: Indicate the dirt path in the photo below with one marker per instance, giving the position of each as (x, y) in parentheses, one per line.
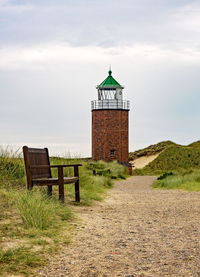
(137, 231)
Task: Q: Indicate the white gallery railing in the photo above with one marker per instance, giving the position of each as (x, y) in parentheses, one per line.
(110, 104)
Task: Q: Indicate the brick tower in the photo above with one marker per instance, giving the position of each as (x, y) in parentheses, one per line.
(110, 115)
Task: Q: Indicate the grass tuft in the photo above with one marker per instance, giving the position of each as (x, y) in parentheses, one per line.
(19, 259)
(39, 211)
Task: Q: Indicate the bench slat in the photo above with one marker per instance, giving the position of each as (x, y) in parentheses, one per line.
(53, 181)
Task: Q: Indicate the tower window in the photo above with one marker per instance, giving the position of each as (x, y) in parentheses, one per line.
(112, 152)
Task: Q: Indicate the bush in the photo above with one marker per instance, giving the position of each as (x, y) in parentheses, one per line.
(165, 175)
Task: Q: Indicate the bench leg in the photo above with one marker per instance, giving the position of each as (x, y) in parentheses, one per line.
(77, 192)
(61, 192)
(61, 184)
(49, 191)
(29, 186)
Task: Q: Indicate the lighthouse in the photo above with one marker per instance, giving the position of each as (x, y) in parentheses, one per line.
(110, 122)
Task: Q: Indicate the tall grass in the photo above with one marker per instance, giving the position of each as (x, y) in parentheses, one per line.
(11, 166)
(189, 181)
(39, 211)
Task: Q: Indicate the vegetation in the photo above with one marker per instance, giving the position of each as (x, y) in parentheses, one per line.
(31, 224)
(188, 180)
(38, 211)
(195, 144)
(174, 157)
(151, 150)
(178, 167)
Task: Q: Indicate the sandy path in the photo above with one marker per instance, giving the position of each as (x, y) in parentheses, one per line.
(137, 231)
(143, 161)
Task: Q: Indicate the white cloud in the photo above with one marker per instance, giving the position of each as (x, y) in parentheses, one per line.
(39, 56)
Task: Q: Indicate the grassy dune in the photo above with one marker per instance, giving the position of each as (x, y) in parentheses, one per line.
(32, 226)
(151, 150)
(178, 167)
(173, 157)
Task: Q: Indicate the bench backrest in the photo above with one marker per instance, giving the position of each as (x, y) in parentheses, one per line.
(36, 156)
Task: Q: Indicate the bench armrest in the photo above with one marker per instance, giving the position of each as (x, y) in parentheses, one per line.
(54, 166)
(65, 165)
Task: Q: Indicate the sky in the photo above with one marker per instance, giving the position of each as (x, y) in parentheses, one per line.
(53, 54)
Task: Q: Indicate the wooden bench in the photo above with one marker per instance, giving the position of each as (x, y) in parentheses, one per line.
(38, 172)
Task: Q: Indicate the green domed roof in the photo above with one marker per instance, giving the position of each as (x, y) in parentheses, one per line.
(109, 82)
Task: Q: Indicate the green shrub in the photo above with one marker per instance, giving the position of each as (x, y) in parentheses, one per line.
(165, 175)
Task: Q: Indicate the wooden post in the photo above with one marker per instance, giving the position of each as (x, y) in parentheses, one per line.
(61, 184)
(49, 188)
(77, 192)
(27, 166)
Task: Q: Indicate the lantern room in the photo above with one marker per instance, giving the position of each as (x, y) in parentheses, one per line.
(110, 95)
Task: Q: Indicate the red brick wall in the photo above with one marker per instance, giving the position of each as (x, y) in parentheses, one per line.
(110, 131)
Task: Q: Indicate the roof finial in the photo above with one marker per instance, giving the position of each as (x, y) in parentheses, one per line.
(110, 71)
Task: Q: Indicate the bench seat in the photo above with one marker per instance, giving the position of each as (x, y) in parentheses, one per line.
(53, 181)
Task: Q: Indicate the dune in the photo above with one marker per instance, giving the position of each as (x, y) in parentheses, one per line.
(143, 161)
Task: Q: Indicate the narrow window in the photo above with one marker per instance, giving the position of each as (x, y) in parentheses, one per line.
(112, 152)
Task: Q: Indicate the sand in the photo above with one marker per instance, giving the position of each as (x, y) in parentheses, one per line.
(136, 231)
(143, 161)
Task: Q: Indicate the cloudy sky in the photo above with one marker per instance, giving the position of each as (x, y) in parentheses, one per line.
(54, 53)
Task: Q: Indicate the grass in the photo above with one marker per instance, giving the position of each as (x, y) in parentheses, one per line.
(92, 188)
(186, 181)
(151, 150)
(33, 225)
(195, 144)
(20, 260)
(38, 211)
(178, 167)
(174, 157)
